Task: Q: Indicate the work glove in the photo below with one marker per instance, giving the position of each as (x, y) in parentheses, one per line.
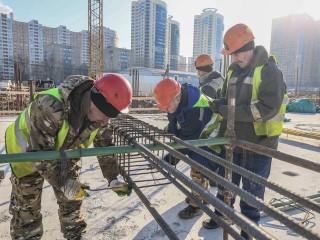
(73, 189)
(215, 105)
(171, 159)
(120, 188)
(223, 110)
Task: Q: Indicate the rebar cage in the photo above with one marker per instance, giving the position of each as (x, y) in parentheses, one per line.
(145, 168)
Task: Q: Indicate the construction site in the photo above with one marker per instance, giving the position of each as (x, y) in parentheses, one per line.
(290, 210)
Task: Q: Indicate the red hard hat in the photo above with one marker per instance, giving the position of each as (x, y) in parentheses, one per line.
(203, 60)
(236, 37)
(165, 91)
(116, 89)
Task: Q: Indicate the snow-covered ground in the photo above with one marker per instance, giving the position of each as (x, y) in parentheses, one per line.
(111, 217)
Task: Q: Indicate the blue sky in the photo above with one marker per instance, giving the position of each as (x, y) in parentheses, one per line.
(117, 15)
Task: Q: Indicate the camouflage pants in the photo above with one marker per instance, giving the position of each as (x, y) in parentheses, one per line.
(198, 178)
(25, 206)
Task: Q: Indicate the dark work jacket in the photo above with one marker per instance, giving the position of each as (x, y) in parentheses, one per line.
(270, 96)
(211, 84)
(187, 116)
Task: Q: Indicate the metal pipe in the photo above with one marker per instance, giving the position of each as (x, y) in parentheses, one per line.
(252, 176)
(230, 133)
(314, 166)
(163, 224)
(87, 152)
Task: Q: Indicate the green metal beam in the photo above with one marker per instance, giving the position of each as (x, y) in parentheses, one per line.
(87, 152)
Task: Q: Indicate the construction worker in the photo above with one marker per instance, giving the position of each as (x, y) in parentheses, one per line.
(260, 107)
(189, 118)
(71, 116)
(210, 84)
(210, 81)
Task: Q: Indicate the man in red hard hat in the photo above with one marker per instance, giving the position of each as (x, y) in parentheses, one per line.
(71, 116)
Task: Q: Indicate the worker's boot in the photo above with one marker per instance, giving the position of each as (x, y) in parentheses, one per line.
(211, 224)
(75, 238)
(246, 235)
(188, 201)
(190, 212)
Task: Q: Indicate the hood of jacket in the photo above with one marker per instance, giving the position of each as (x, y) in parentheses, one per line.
(75, 92)
(209, 77)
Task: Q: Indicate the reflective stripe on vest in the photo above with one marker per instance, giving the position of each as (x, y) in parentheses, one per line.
(216, 86)
(17, 135)
(273, 126)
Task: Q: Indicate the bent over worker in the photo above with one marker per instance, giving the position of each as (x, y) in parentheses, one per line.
(189, 118)
(71, 116)
(259, 111)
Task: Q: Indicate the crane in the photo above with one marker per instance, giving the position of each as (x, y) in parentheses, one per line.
(95, 38)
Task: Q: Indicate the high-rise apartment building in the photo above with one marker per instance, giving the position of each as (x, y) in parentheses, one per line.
(41, 50)
(35, 32)
(315, 68)
(148, 33)
(84, 47)
(173, 43)
(110, 38)
(6, 47)
(208, 35)
(292, 42)
(116, 59)
(20, 32)
(182, 67)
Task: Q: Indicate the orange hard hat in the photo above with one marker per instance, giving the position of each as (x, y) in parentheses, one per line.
(203, 60)
(116, 89)
(236, 37)
(165, 91)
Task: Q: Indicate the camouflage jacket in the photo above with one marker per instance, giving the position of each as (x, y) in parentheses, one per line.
(47, 115)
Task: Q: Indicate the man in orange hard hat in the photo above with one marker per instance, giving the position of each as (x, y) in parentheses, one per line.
(260, 107)
(210, 81)
(210, 84)
(71, 116)
(189, 118)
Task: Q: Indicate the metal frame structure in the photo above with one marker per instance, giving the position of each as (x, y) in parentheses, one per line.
(95, 38)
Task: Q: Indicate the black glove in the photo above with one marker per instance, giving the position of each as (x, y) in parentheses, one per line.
(215, 105)
(223, 110)
(171, 159)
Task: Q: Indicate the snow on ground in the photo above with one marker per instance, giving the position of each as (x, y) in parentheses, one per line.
(111, 217)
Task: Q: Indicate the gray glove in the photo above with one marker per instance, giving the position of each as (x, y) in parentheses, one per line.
(223, 110)
(216, 104)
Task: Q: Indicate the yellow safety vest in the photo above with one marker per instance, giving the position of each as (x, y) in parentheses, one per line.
(273, 126)
(18, 132)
